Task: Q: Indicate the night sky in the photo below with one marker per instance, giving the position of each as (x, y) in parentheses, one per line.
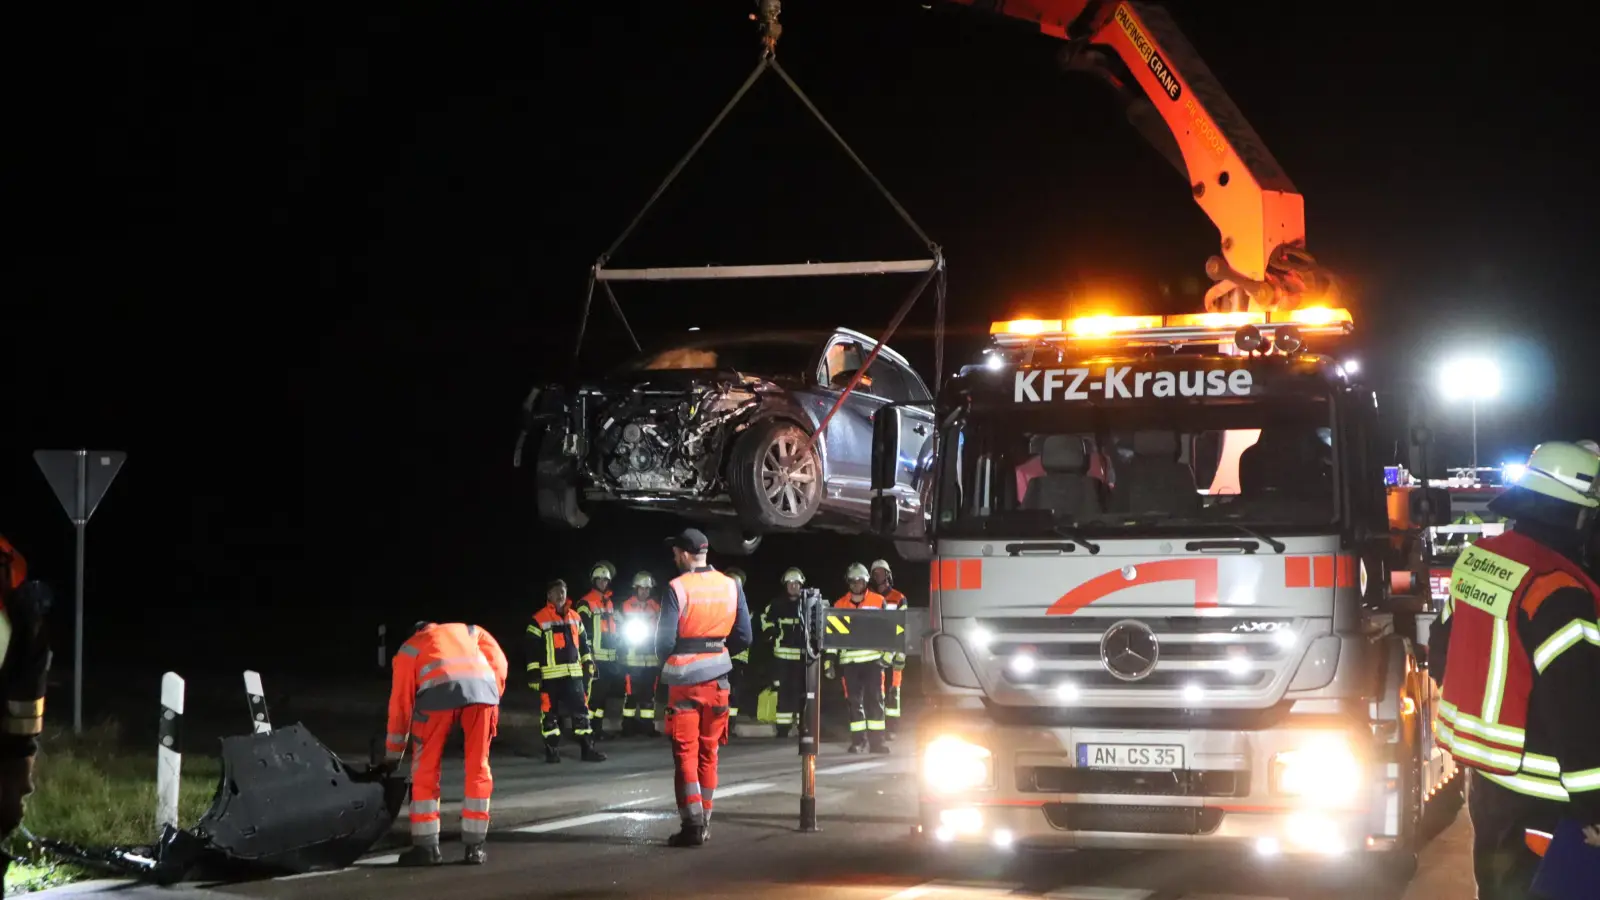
(303, 263)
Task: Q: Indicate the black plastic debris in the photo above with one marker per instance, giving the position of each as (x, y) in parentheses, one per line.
(285, 804)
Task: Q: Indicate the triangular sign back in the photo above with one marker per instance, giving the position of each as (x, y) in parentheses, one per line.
(60, 468)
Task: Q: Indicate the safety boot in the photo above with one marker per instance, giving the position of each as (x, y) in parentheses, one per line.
(857, 747)
(888, 736)
(421, 855)
(783, 731)
(880, 747)
(590, 754)
(690, 835)
(551, 754)
(475, 855)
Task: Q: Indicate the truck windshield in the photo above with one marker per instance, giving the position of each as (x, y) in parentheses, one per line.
(1265, 463)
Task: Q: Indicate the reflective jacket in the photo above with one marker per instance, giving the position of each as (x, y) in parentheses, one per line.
(782, 619)
(642, 654)
(870, 600)
(443, 666)
(24, 659)
(558, 646)
(1505, 711)
(893, 599)
(600, 620)
(702, 610)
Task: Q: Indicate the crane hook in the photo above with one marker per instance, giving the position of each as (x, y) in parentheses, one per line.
(767, 15)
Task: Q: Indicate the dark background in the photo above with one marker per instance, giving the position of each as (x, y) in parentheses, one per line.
(303, 263)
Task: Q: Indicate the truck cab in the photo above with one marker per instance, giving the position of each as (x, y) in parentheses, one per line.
(1160, 567)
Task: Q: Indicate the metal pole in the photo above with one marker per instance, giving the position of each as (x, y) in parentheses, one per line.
(810, 737)
(1474, 437)
(80, 521)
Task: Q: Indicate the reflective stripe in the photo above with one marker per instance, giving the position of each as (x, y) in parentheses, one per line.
(1564, 639)
(395, 739)
(475, 804)
(1530, 785)
(437, 664)
(409, 650)
(1467, 748)
(25, 709)
(1587, 780)
(785, 653)
(1541, 765)
(1499, 734)
(424, 808)
(858, 726)
(1494, 692)
(562, 670)
(23, 727)
(473, 830)
(876, 725)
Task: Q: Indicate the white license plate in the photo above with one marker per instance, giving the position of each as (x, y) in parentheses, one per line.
(1130, 756)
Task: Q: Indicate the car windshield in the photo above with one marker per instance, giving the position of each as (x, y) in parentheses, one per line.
(1263, 463)
(763, 355)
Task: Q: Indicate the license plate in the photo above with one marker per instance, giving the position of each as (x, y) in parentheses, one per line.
(1130, 756)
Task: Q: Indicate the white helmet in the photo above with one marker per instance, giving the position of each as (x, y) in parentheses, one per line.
(794, 575)
(644, 579)
(601, 570)
(1590, 446)
(856, 570)
(1563, 471)
(882, 564)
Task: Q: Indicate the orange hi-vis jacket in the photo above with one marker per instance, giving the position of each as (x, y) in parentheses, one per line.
(600, 618)
(443, 666)
(708, 605)
(870, 600)
(1483, 718)
(649, 612)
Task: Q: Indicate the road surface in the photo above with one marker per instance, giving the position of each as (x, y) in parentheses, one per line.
(591, 831)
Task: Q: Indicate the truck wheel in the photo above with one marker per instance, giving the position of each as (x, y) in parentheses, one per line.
(733, 542)
(775, 477)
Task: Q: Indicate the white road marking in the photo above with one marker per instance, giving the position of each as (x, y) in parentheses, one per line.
(956, 890)
(1077, 892)
(387, 859)
(574, 822)
(753, 787)
(850, 767)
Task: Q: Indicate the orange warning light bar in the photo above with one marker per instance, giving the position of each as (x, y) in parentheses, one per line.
(1314, 315)
(1216, 320)
(1026, 326)
(1100, 326)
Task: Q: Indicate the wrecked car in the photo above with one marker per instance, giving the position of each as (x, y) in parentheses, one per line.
(718, 428)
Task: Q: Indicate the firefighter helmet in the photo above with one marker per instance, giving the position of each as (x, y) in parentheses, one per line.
(603, 569)
(882, 564)
(737, 574)
(1590, 446)
(1564, 472)
(644, 579)
(794, 575)
(856, 570)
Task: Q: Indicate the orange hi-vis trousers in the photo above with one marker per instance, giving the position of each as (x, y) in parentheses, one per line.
(697, 723)
(479, 723)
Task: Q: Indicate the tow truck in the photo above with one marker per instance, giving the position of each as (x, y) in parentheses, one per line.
(1161, 609)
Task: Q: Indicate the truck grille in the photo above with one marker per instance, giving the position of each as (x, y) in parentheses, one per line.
(1070, 780)
(1133, 819)
(1238, 655)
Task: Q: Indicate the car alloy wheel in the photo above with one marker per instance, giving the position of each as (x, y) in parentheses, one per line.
(789, 474)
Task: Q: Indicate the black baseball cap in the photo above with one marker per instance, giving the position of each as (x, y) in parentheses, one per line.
(690, 540)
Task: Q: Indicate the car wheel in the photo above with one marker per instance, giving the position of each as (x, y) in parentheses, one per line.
(775, 476)
(733, 542)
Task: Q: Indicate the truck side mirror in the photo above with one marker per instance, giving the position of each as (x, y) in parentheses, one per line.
(1438, 503)
(885, 448)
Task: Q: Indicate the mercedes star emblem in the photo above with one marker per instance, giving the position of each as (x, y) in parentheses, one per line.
(1129, 650)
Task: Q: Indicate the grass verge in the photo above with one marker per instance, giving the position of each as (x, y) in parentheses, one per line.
(90, 790)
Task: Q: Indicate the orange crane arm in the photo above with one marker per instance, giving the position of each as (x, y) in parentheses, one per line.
(1185, 113)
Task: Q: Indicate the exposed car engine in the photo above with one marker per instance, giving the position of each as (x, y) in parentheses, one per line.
(668, 441)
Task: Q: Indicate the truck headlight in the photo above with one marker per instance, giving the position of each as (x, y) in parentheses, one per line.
(951, 764)
(635, 632)
(1324, 771)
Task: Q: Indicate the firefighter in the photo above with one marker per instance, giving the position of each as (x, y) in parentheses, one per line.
(861, 671)
(1517, 649)
(780, 625)
(739, 681)
(641, 665)
(24, 668)
(560, 664)
(443, 675)
(704, 618)
(894, 663)
(599, 615)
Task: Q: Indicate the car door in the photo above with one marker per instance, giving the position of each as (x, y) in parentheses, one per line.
(916, 431)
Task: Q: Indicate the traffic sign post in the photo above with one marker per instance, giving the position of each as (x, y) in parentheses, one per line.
(79, 479)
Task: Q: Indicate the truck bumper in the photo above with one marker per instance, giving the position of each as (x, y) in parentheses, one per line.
(1225, 795)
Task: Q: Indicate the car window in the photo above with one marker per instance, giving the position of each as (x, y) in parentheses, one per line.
(843, 357)
(888, 381)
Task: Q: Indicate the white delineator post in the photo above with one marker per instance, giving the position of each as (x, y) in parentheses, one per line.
(259, 719)
(169, 752)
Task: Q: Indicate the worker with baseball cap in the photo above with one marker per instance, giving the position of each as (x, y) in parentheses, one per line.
(704, 619)
(1517, 650)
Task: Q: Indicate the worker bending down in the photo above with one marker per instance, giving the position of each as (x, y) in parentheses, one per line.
(443, 675)
(704, 619)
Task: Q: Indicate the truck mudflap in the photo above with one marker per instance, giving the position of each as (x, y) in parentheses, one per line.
(285, 804)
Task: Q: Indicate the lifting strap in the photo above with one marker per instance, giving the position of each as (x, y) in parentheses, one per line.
(933, 268)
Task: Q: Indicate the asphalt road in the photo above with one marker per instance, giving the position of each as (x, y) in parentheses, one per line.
(590, 831)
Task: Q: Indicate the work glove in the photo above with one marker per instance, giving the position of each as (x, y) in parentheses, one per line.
(1591, 835)
(828, 668)
(588, 669)
(16, 782)
(536, 686)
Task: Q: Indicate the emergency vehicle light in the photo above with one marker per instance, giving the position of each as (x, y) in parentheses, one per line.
(1026, 326)
(1096, 326)
(1216, 320)
(1314, 315)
